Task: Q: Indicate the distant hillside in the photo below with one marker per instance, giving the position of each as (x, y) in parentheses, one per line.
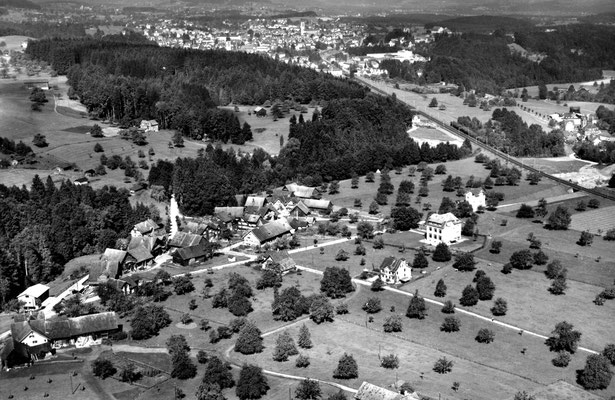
(19, 4)
(484, 24)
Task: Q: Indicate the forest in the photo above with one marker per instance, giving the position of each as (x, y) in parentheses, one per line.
(128, 81)
(43, 228)
(509, 133)
(484, 62)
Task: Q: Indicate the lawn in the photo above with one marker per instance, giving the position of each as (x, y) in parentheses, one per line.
(530, 304)
(555, 165)
(434, 135)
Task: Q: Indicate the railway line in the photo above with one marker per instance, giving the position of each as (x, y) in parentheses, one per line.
(459, 131)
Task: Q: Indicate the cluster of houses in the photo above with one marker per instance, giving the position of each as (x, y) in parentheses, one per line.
(582, 126)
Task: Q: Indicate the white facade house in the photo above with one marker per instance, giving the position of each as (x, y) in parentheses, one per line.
(149, 125)
(393, 270)
(442, 228)
(476, 199)
(34, 296)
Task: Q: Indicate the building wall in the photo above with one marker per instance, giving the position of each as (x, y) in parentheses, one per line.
(450, 233)
(34, 339)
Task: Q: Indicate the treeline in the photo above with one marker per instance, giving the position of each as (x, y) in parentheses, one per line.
(378, 47)
(126, 82)
(603, 152)
(8, 146)
(507, 132)
(43, 228)
(42, 30)
(402, 70)
(349, 137)
(26, 4)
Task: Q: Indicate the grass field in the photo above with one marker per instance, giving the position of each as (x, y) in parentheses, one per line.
(555, 166)
(601, 219)
(530, 304)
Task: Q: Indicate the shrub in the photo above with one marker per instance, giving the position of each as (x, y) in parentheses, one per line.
(341, 309)
(442, 253)
(202, 357)
(416, 308)
(485, 336)
(597, 373)
(302, 361)
(562, 359)
(540, 258)
(500, 306)
(448, 307)
(393, 324)
(450, 324)
(372, 306)
(390, 361)
(443, 366)
(609, 352)
(103, 368)
(469, 296)
(347, 368)
(440, 289)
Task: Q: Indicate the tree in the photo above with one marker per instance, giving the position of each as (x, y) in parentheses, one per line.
(562, 359)
(209, 391)
(559, 285)
(40, 140)
(218, 372)
(469, 296)
(338, 396)
(103, 368)
(586, 239)
(377, 285)
(485, 288)
(347, 368)
(249, 340)
(270, 278)
(564, 337)
(465, 262)
(182, 366)
(496, 247)
(420, 261)
(593, 203)
(450, 324)
(178, 139)
(559, 219)
(442, 253)
(485, 336)
(285, 347)
(336, 282)
(448, 307)
(393, 324)
(433, 103)
(440, 289)
(522, 259)
(98, 148)
(416, 308)
(96, 131)
(308, 389)
(372, 305)
(524, 396)
(321, 310)
(148, 320)
(443, 366)
(540, 258)
(500, 306)
(369, 176)
(390, 361)
(542, 91)
(304, 341)
(342, 255)
(597, 373)
(365, 230)
(525, 211)
(129, 373)
(252, 383)
(183, 284)
(302, 361)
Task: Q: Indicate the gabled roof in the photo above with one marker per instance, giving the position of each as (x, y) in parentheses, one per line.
(272, 230)
(317, 204)
(35, 291)
(305, 192)
(146, 226)
(66, 328)
(114, 255)
(392, 263)
(140, 254)
(195, 228)
(187, 253)
(251, 218)
(185, 239)
(296, 223)
(282, 258)
(367, 391)
(475, 191)
(302, 207)
(255, 201)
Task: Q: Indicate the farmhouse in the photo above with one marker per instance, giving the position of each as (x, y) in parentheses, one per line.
(188, 255)
(476, 198)
(149, 125)
(184, 239)
(321, 206)
(255, 201)
(34, 296)
(279, 260)
(393, 270)
(303, 192)
(367, 391)
(260, 111)
(81, 181)
(442, 228)
(299, 210)
(109, 267)
(37, 83)
(144, 228)
(268, 232)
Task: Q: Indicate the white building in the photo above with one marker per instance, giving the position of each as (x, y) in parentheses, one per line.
(476, 198)
(34, 296)
(442, 228)
(393, 270)
(149, 126)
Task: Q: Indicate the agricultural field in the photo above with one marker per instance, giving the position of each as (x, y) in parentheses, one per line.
(532, 91)
(595, 221)
(433, 136)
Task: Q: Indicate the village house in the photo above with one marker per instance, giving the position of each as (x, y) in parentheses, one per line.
(303, 192)
(476, 198)
(268, 232)
(321, 206)
(279, 260)
(81, 181)
(144, 228)
(189, 255)
(394, 270)
(149, 125)
(255, 201)
(442, 228)
(299, 210)
(110, 266)
(184, 239)
(231, 216)
(34, 296)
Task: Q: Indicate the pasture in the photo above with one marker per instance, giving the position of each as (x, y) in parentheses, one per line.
(433, 136)
(530, 305)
